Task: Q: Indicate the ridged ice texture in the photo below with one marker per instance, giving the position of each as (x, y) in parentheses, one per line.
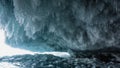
(61, 24)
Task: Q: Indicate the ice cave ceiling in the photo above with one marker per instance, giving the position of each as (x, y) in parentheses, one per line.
(61, 25)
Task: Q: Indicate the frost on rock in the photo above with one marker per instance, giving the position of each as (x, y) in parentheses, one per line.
(61, 25)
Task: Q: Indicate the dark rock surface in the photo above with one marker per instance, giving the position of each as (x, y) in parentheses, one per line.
(102, 60)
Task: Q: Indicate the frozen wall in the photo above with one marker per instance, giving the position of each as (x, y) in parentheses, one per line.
(61, 24)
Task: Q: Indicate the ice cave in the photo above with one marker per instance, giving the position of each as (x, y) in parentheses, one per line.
(59, 33)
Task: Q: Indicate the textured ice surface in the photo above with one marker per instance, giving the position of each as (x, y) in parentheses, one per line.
(50, 61)
(61, 25)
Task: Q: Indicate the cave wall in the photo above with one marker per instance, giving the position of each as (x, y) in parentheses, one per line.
(60, 25)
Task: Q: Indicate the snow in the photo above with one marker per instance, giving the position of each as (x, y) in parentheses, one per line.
(7, 65)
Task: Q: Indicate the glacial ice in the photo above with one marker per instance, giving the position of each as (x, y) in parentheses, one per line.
(61, 25)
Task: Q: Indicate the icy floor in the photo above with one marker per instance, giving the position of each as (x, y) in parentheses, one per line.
(50, 61)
